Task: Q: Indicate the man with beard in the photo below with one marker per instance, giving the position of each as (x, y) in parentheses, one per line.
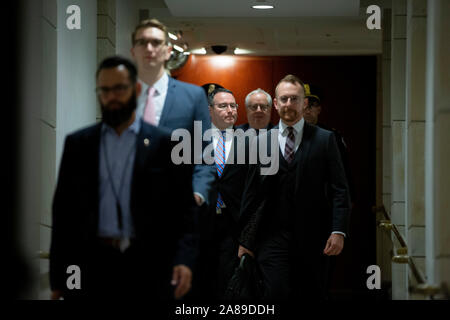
(298, 217)
(114, 234)
(258, 105)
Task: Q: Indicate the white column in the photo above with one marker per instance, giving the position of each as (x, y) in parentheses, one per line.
(437, 143)
(69, 103)
(127, 18)
(76, 66)
(415, 133)
(106, 34)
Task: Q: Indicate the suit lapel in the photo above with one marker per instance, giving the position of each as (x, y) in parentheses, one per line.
(232, 153)
(169, 103)
(145, 147)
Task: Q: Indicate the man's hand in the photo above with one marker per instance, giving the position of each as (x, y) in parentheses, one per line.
(198, 199)
(334, 245)
(181, 278)
(243, 250)
(56, 295)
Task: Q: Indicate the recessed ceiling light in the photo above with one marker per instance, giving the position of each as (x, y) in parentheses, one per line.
(241, 51)
(178, 48)
(172, 36)
(199, 51)
(262, 7)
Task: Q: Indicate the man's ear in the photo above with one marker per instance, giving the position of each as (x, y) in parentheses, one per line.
(319, 110)
(275, 103)
(168, 53)
(305, 103)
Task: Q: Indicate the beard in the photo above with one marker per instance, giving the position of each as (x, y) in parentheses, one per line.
(116, 113)
(289, 114)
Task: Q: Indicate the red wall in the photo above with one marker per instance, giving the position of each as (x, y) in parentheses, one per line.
(238, 74)
(349, 102)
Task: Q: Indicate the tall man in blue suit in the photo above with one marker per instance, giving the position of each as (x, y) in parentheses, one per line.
(166, 102)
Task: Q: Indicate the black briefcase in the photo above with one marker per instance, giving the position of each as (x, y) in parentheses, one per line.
(246, 282)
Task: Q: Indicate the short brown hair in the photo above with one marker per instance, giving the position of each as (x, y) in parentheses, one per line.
(150, 23)
(291, 79)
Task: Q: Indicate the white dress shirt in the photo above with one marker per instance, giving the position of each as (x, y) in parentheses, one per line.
(159, 97)
(283, 133)
(228, 139)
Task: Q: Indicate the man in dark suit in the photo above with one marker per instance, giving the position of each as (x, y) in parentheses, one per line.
(166, 102)
(220, 224)
(296, 218)
(117, 215)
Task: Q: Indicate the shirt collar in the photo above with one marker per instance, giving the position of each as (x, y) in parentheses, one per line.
(298, 126)
(216, 132)
(160, 85)
(214, 128)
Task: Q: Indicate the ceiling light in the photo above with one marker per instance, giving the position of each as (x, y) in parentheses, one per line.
(262, 7)
(186, 53)
(199, 51)
(222, 61)
(172, 36)
(241, 51)
(178, 48)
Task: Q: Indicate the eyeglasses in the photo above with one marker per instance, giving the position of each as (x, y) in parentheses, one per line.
(285, 99)
(263, 107)
(156, 43)
(119, 89)
(223, 106)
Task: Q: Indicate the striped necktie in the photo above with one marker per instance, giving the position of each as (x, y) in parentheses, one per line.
(219, 158)
(290, 145)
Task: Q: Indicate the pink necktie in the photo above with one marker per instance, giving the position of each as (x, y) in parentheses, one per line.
(149, 112)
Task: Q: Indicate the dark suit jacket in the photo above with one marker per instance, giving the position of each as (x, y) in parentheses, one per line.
(345, 158)
(323, 203)
(161, 198)
(230, 185)
(186, 103)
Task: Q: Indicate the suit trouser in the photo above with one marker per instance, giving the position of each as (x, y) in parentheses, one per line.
(112, 274)
(288, 272)
(218, 259)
